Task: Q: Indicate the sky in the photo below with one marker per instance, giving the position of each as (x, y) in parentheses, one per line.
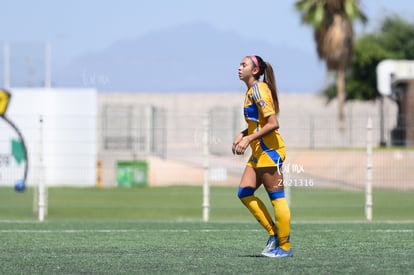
(89, 26)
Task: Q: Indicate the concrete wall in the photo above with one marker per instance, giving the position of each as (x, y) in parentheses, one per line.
(72, 139)
(306, 119)
(307, 122)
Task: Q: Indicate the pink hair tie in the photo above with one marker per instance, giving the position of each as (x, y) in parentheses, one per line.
(254, 59)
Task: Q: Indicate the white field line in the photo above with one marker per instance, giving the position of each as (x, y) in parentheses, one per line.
(370, 230)
(71, 231)
(81, 231)
(241, 222)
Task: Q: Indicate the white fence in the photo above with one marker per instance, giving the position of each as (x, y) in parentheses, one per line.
(317, 151)
(84, 135)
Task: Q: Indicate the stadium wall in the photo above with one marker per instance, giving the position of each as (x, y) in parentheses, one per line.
(85, 134)
(307, 123)
(59, 129)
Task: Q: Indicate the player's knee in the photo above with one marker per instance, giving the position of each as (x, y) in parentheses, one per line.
(245, 192)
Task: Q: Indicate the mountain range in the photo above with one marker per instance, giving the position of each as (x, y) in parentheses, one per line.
(193, 57)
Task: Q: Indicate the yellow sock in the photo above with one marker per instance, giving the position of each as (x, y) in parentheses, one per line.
(259, 211)
(282, 216)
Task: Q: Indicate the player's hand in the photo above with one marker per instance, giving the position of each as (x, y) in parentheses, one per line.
(240, 147)
(236, 142)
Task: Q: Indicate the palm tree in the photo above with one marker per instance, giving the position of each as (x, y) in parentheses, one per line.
(332, 23)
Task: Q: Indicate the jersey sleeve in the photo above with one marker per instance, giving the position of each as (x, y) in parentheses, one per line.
(263, 99)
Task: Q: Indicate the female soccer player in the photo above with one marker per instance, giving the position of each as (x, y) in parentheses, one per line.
(261, 107)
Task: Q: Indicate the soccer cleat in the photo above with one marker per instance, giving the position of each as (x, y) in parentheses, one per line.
(271, 244)
(278, 253)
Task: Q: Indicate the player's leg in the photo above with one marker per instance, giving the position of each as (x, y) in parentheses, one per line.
(248, 185)
(273, 182)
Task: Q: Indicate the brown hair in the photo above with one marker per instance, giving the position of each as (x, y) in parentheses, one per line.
(265, 69)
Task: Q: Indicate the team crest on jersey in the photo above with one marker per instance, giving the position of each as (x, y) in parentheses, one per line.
(262, 103)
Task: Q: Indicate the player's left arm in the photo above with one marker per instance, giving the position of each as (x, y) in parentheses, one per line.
(272, 124)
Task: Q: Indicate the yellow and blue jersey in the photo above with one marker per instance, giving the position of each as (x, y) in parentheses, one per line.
(269, 150)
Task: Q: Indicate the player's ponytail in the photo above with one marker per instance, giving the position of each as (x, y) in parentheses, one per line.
(265, 69)
(269, 79)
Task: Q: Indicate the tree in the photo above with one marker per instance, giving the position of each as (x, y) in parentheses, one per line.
(333, 33)
(392, 39)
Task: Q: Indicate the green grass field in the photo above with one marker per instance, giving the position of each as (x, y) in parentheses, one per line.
(159, 231)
